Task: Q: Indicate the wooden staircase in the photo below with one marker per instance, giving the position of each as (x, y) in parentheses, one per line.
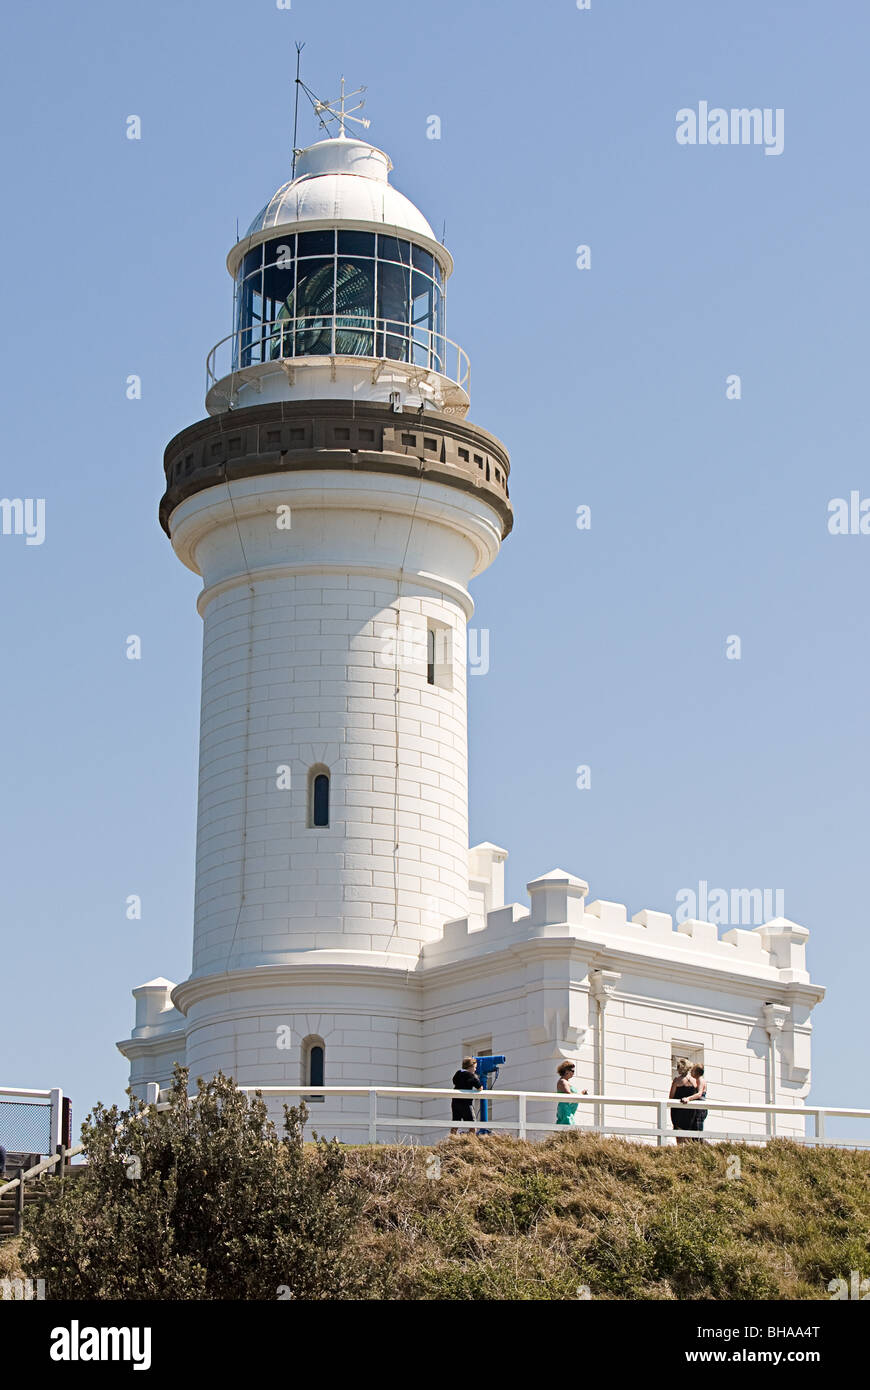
(34, 1193)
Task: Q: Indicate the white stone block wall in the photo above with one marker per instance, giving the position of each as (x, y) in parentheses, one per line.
(302, 670)
(315, 653)
(368, 1028)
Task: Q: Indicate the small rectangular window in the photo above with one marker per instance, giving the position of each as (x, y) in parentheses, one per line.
(430, 444)
(693, 1053)
(410, 439)
(464, 455)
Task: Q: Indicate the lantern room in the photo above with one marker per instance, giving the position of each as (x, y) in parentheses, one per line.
(339, 290)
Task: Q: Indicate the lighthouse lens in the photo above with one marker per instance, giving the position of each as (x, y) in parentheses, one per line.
(354, 306)
(315, 290)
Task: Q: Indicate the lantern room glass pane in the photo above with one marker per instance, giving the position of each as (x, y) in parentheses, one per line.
(280, 252)
(316, 243)
(394, 308)
(277, 288)
(314, 306)
(356, 243)
(354, 306)
(422, 317)
(390, 248)
(423, 260)
(252, 261)
(277, 296)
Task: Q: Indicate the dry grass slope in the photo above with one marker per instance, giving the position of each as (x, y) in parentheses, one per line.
(511, 1220)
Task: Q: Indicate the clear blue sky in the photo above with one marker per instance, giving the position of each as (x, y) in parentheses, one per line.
(608, 386)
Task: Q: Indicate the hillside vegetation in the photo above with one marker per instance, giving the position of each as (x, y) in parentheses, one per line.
(205, 1200)
(512, 1220)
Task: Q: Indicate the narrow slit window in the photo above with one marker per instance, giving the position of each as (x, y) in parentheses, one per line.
(314, 1067)
(318, 798)
(439, 655)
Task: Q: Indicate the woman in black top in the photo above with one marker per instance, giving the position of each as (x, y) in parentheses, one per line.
(698, 1116)
(465, 1080)
(682, 1086)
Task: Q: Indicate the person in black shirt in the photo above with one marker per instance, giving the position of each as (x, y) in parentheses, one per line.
(465, 1080)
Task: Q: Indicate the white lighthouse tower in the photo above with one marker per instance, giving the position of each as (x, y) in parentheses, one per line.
(337, 504)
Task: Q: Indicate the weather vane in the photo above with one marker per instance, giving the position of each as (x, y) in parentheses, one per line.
(326, 111)
(337, 111)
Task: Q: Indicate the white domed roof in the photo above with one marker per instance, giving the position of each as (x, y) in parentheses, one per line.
(341, 180)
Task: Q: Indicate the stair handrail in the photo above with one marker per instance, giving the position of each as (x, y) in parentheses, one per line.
(41, 1167)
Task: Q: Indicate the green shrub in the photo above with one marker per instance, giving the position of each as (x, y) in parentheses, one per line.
(199, 1201)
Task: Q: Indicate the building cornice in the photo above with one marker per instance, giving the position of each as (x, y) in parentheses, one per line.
(132, 1048)
(311, 973)
(596, 955)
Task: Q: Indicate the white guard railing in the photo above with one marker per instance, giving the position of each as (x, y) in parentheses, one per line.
(522, 1126)
(660, 1130)
(314, 336)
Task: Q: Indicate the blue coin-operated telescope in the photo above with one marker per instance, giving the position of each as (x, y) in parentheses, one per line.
(487, 1070)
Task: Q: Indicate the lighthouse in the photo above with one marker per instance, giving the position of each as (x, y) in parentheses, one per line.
(337, 503)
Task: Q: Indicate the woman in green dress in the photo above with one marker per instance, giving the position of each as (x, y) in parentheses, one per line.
(566, 1109)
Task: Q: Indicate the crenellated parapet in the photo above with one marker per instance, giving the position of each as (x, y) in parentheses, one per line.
(558, 909)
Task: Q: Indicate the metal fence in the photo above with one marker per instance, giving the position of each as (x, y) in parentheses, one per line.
(30, 1121)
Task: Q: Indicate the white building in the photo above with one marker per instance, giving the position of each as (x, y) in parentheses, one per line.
(337, 503)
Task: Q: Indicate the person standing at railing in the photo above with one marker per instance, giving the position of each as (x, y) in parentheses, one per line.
(698, 1116)
(2, 1162)
(566, 1109)
(682, 1087)
(465, 1080)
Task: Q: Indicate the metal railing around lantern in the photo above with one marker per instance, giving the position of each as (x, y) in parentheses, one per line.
(313, 336)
